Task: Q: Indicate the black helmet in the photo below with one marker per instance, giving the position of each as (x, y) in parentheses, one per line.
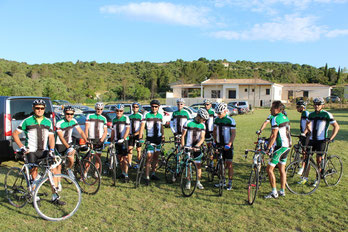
(155, 102)
(39, 102)
(69, 108)
(301, 103)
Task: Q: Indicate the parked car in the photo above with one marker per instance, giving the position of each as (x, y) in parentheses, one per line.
(61, 102)
(333, 99)
(232, 110)
(242, 106)
(13, 110)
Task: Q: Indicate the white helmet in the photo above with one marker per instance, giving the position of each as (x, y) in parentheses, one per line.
(180, 100)
(99, 105)
(318, 101)
(222, 107)
(207, 101)
(203, 113)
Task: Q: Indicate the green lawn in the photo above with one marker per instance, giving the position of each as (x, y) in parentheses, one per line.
(161, 207)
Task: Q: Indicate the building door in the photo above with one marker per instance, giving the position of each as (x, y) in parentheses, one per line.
(305, 94)
(232, 94)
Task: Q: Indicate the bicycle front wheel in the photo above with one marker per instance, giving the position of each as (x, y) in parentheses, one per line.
(189, 178)
(305, 183)
(333, 170)
(221, 174)
(16, 187)
(253, 185)
(95, 159)
(114, 168)
(170, 172)
(294, 154)
(140, 171)
(88, 177)
(70, 194)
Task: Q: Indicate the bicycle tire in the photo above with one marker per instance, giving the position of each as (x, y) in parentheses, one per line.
(333, 170)
(95, 159)
(253, 185)
(70, 194)
(294, 154)
(210, 170)
(16, 187)
(293, 179)
(88, 177)
(140, 170)
(170, 172)
(114, 169)
(221, 175)
(189, 178)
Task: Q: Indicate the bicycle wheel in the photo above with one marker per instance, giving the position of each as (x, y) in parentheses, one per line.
(16, 187)
(95, 159)
(221, 175)
(210, 170)
(88, 177)
(333, 170)
(294, 154)
(189, 178)
(48, 209)
(140, 170)
(253, 185)
(170, 172)
(114, 168)
(302, 184)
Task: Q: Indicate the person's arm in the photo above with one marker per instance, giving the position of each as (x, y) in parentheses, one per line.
(233, 136)
(141, 131)
(201, 141)
(51, 141)
(83, 135)
(308, 127)
(172, 126)
(102, 139)
(335, 130)
(214, 133)
(272, 138)
(263, 126)
(126, 133)
(61, 137)
(15, 136)
(86, 129)
(183, 137)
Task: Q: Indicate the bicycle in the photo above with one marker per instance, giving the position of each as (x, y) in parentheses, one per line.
(112, 162)
(297, 149)
(258, 168)
(84, 171)
(189, 173)
(217, 167)
(20, 189)
(93, 157)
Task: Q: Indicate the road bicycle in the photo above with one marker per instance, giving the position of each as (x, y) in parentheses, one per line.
(258, 168)
(189, 173)
(21, 189)
(112, 162)
(298, 149)
(172, 168)
(216, 167)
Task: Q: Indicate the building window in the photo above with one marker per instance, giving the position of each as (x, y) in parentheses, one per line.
(232, 94)
(290, 94)
(245, 90)
(215, 94)
(253, 90)
(268, 91)
(305, 93)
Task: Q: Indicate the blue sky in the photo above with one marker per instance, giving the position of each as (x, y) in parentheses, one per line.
(311, 32)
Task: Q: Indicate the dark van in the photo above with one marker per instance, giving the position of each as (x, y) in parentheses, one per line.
(12, 112)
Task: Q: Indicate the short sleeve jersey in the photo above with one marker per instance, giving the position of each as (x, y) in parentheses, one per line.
(209, 124)
(320, 124)
(66, 128)
(282, 123)
(97, 123)
(194, 132)
(153, 124)
(135, 122)
(223, 127)
(303, 121)
(178, 120)
(269, 118)
(36, 134)
(119, 126)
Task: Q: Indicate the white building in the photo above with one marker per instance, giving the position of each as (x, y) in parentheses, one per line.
(346, 92)
(257, 92)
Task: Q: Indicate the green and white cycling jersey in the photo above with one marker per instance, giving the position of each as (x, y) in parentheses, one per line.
(269, 118)
(209, 124)
(135, 122)
(178, 120)
(97, 123)
(194, 132)
(36, 134)
(66, 128)
(303, 121)
(320, 124)
(119, 126)
(223, 127)
(153, 124)
(282, 123)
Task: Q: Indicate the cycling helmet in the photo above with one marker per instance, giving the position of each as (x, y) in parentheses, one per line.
(69, 108)
(39, 102)
(136, 103)
(207, 101)
(155, 102)
(119, 107)
(99, 105)
(203, 113)
(318, 101)
(222, 107)
(301, 103)
(180, 100)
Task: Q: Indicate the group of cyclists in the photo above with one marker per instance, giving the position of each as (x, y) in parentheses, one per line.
(213, 126)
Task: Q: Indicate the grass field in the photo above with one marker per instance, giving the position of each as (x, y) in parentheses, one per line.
(161, 207)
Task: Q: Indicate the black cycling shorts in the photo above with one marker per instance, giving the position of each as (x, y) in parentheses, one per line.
(317, 146)
(61, 148)
(132, 143)
(155, 140)
(97, 145)
(122, 149)
(33, 157)
(227, 155)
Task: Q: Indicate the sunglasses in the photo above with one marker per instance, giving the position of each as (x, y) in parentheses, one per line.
(135, 106)
(180, 104)
(39, 108)
(69, 113)
(99, 109)
(154, 106)
(119, 111)
(207, 104)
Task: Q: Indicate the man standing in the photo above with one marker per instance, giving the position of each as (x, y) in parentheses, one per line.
(179, 118)
(135, 122)
(281, 136)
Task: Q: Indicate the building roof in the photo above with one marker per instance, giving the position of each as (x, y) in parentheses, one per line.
(303, 85)
(237, 81)
(186, 86)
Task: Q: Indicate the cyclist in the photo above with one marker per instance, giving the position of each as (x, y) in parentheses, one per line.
(193, 136)
(268, 120)
(318, 124)
(119, 134)
(154, 134)
(179, 118)
(224, 134)
(39, 136)
(96, 129)
(64, 141)
(135, 122)
(209, 124)
(280, 135)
